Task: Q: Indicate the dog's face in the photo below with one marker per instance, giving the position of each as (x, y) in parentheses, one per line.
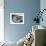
(29, 38)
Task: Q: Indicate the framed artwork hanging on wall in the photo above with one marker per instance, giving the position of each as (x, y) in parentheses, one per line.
(16, 18)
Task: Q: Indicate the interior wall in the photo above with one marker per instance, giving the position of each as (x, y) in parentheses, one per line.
(43, 6)
(13, 32)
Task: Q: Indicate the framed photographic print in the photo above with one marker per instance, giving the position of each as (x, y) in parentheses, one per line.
(16, 18)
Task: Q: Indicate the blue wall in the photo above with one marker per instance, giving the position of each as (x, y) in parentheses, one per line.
(28, 7)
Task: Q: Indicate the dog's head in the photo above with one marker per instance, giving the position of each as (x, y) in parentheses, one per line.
(29, 36)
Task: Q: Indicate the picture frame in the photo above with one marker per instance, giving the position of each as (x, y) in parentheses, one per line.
(16, 18)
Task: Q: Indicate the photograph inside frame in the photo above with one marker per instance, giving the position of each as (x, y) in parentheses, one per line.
(17, 18)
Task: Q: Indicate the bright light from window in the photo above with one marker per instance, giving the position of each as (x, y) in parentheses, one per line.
(1, 25)
(1, 21)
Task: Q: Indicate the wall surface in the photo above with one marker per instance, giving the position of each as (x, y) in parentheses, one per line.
(29, 8)
(43, 6)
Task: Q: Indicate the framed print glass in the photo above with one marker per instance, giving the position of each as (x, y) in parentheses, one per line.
(16, 18)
